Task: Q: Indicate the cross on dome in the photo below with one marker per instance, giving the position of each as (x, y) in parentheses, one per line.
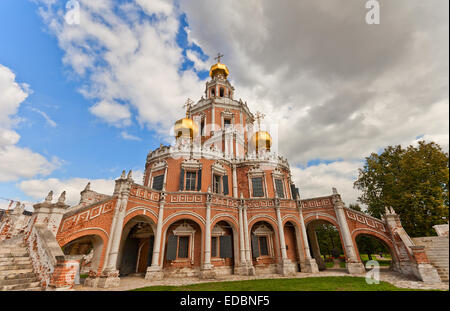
(219, 57)
(259, 116)
(188, 106)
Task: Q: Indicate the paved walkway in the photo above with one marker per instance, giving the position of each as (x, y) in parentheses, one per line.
(132, 282)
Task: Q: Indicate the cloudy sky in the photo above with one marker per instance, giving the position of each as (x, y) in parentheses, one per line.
(82, 101)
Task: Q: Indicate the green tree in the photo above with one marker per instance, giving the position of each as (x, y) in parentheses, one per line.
(414, 181)
(356, 207)
(370, 245)
(329, 239)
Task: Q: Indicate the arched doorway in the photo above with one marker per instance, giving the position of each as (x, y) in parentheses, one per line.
(325, 244)
(183, 247)
(292, 243)
(265, 248)
(136, 247)
(370, 247)
(223, 248)
(88, 250)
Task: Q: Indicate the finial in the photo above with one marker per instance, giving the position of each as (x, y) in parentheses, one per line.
(392, 211)
(334, 190)
(49, 197)
(219, 57)
(129, 174)
(62, 197)
(386, 210)
(259, 116)
(209, 189)
(188, 106)
(123, 175)
(242, 195)
(17, 205)
(88, 186)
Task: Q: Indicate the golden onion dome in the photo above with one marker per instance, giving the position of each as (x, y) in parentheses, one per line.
(219, 68)
(185, 127)
(261, 140)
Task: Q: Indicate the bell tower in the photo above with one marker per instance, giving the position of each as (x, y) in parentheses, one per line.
(219, 86)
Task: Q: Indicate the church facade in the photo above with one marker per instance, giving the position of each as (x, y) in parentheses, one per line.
(219, 201)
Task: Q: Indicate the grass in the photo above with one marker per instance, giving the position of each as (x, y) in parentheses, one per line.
(330, 264)
(331, 283)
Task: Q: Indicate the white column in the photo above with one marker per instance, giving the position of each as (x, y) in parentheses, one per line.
(281, 234)
(116, 236)
(235, 185)
(213, 118)
(248, 255)
(305, 236)
(207, 262)
(157, 242)
(241, 237)
(339, 209)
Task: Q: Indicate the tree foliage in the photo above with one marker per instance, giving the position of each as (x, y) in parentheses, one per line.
(414, 181)
(329, 240)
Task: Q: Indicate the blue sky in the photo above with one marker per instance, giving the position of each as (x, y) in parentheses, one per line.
(100, 95)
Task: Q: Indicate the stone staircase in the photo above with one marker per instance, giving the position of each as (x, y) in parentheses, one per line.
(437, 250)
(16, 270)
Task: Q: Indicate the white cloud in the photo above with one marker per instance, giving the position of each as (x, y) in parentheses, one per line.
(318, 180)
(127, 136)
(199, 65)
(13, 94)
(45, 116)
(112, 112)
(17, 162)
(128, 59)
(39, 188)
(338, 88)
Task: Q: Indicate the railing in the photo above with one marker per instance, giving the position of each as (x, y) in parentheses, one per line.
(196, 197)
(48, 260)
(43, 260)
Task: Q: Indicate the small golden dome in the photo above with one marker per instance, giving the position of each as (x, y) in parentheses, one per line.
(261, 140)
(185, 127)
(219, 68)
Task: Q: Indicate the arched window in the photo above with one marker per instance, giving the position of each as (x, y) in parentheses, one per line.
(213, 92)
(222, 92)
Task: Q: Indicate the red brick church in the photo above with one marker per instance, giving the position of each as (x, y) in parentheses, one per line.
(218, 201)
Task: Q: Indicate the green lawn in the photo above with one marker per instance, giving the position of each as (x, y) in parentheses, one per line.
(331, 283)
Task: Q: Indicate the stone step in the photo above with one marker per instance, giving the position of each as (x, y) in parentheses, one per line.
(16, 258)
(15, 272)
(16, 275)
(437, 255)
(12, 245)
(19, 286)
(15, 266)
(19, 281)
(436, 245)
(439, 261)
(437, 250)
(14, 261)
(14, 254)
(434, 257)
(13, 250)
